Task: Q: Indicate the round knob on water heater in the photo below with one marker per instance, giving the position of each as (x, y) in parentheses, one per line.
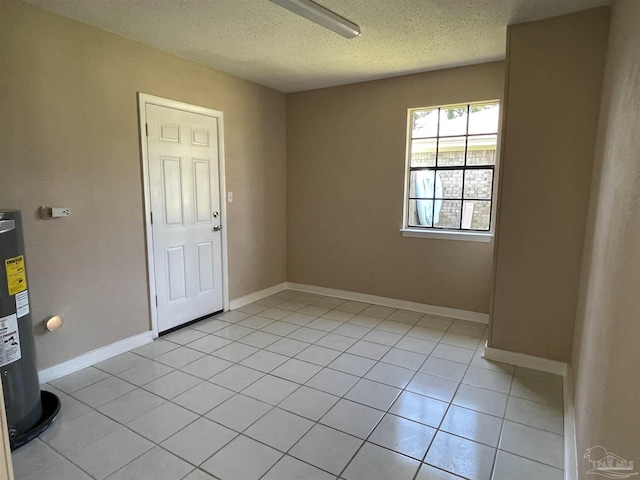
(53, 323)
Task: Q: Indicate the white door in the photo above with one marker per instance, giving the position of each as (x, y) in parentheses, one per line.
(184, 188)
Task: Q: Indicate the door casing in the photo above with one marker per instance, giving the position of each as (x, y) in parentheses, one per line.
(143, 100)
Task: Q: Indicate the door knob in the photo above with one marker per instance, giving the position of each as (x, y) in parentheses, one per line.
(217, 228)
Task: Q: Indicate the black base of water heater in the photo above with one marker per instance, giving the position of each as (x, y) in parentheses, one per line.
(50, 409)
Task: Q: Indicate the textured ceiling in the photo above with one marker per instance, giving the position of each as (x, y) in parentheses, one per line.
(259, 41)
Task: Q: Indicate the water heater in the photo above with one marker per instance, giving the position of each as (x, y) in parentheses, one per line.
(29, 411)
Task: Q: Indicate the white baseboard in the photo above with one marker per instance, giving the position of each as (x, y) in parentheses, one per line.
(91, 358)
(394, 303)
(523, 360)
(557, 368)
(255, 296)
(570, 443)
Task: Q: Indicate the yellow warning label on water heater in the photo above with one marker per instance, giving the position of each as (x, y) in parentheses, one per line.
(16, 275)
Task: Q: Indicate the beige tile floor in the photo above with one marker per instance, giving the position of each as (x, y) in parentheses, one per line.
(301, 386)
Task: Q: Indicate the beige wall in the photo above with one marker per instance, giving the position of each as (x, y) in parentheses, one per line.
(605, 356)
(69, 137)
(345, 177)
(554, 75)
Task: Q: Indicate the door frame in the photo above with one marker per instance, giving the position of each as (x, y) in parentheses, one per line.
(146, 99)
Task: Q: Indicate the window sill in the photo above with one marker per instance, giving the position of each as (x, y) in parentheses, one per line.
(447, 235)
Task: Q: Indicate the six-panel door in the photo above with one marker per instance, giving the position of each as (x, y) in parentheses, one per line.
(185, 205)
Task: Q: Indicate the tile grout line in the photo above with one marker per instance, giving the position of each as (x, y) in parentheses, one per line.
(289, 357)
(512, 375)
(268, 373)
(424, 458)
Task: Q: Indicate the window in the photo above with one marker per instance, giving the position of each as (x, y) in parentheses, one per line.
(451, 158)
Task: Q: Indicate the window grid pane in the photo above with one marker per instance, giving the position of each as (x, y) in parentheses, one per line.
(451, 173)
(423, 152)
(451, 151)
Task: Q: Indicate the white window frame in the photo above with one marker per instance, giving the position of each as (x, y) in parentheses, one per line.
(453, 234)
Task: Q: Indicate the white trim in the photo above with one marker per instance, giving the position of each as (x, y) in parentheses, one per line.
(406, 230)
(407, 180)
(362, 297)
(394, 303)
(557, 368)
(523, 360)
(570, 443)
(496, 170)
(91, 358)
(255, 296)
(144, 99)
(144, 155)
(223, 213)
(446, 235)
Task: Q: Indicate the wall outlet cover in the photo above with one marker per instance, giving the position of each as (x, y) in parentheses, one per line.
(60, 212)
